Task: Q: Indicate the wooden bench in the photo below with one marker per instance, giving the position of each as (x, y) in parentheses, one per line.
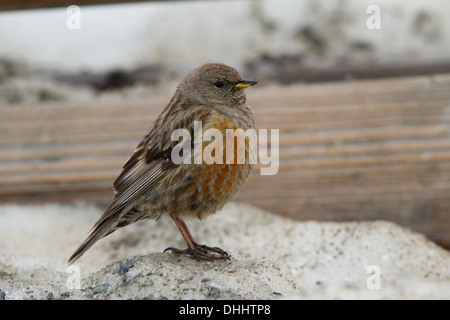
(373, 149)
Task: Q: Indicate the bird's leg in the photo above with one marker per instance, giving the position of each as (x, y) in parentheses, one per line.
(198, 251)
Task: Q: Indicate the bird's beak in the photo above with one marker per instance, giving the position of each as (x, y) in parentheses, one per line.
(245, 83)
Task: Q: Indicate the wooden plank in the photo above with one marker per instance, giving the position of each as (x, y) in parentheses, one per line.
(377, 149)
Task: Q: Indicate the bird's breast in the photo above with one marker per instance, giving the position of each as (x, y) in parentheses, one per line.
(224, 169)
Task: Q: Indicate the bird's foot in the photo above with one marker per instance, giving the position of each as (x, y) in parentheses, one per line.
(202, 252)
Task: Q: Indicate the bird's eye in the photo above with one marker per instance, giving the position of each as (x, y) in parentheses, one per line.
(219, 84)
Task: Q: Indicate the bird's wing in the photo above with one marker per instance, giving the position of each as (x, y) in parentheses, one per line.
(137, 177)
(148, 165)
(145, 167)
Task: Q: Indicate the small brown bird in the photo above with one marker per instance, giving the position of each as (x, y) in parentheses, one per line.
(151, 184)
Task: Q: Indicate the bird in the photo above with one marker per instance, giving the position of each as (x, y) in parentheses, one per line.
(151, 184)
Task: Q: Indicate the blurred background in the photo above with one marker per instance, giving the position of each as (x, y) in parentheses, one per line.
(45, 57)
(360, 91)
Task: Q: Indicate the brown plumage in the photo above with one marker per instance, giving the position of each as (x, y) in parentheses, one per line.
(151, 184)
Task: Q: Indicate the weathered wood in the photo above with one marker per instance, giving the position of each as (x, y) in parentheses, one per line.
(374, 149)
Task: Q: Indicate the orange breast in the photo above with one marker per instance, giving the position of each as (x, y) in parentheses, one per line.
(218, 180)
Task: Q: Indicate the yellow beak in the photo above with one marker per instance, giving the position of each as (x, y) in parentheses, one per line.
(245, 83)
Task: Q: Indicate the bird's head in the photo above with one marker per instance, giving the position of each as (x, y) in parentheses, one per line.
(214, 84)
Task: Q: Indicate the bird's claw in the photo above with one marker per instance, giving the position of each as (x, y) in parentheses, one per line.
(201, 252)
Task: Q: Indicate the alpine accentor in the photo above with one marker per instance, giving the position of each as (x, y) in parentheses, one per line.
(152, 184)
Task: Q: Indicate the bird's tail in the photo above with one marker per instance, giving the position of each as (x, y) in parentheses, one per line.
(103, 227)
(95, 235)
